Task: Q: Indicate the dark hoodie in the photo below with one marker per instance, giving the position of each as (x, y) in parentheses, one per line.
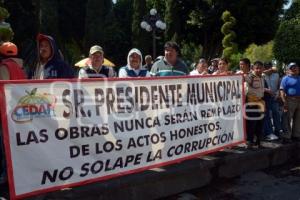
(55, 67)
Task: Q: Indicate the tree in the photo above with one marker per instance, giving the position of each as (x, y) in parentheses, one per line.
(71, 22)
(262, 53)
(24, 20)
(229, 46)
(96, 21)
(172, 16)
(257, 22)
(287, 41)
(123, 12)
(293, 11)
(49, 18)
(287, 38)
(190, 52)
(139, 36)
(6, 33)
(72, 19)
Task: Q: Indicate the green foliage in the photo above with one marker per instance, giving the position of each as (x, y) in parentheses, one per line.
(72, 51)
(234, 61)
(24, 20)
(287, 41)
(262, 53)
(229, 46)
(257, 22)
(4, 14)
(72, 19)
(197, 18)
(172, 19)
(123, 19)
(191, 52)
(6, 34)
(287, 38)
(139, 35)
(159, 5)
(293, 11)
(49, 18)
(96, 21)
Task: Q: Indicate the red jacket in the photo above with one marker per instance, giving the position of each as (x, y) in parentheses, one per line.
(14, 69)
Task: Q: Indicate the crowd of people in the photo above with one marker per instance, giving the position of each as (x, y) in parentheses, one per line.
(272, 101)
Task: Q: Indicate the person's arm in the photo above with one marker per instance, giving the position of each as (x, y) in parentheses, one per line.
(283, 98)
(268, 71)
(4, 74)
(111, 72)
(122, 73)
(283, 95)
(154, 68)
(82, 74)
(148, 74)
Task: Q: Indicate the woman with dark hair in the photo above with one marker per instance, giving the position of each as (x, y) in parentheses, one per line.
(222, 67)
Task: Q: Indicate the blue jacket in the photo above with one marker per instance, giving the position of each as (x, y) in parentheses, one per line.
(55, 67)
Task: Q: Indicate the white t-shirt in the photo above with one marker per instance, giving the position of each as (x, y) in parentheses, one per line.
(196, 72)
(39, 72)
(123, 72)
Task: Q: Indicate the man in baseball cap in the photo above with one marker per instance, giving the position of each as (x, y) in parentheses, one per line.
(290, 95)
(95, 49)
(291, 65)
(95, 67)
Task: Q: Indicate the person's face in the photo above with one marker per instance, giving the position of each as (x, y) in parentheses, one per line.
(258, 69)
(222, 66)
(171, 55)
(135, 60)
(243, 66)
(97, 59)
(148, 60)
(294, 71)
(202, 66)
(45, 50)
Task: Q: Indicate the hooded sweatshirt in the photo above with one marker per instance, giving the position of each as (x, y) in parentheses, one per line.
(55, 67)
(128, 71)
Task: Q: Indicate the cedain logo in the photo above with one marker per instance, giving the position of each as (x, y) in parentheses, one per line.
(34, 105)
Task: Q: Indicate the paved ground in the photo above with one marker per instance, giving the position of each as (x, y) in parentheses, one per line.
(220, 176)
(281, 183)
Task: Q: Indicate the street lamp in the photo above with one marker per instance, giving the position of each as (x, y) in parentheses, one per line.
(153, 23)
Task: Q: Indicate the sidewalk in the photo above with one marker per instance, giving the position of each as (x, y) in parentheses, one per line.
(188, 175)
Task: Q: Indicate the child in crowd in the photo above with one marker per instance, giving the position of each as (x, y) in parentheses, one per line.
(255, 106)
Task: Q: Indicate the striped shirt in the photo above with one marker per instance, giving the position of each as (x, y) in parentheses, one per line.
(163, 68)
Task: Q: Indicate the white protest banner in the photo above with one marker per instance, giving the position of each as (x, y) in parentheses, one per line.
(67, 133)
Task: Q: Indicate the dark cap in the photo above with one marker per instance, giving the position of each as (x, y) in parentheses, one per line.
(292, 64)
